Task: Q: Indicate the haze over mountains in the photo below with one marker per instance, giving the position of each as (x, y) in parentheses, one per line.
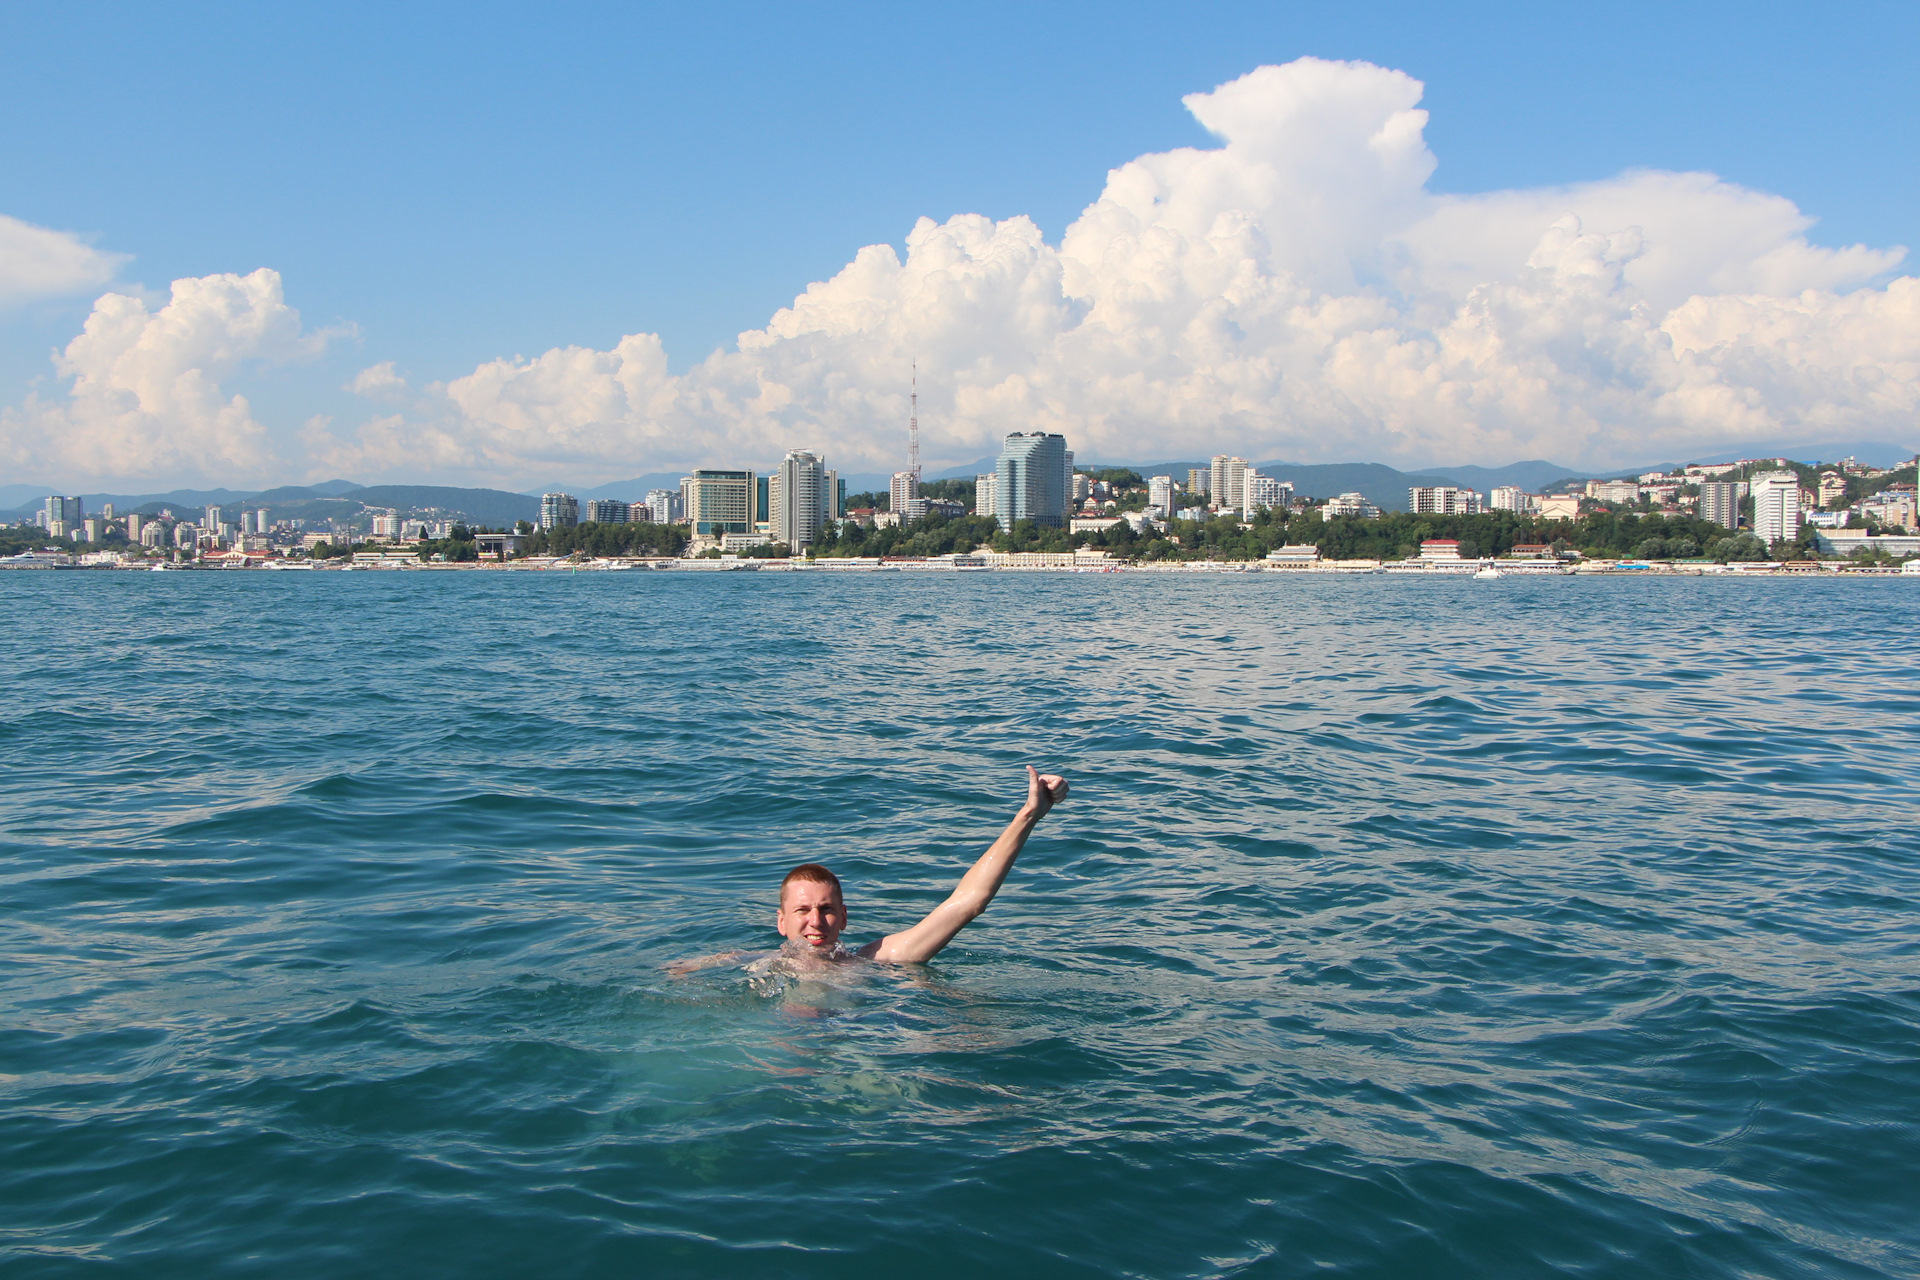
(1382, 485)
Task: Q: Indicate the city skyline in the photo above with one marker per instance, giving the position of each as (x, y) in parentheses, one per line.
(1319, 263)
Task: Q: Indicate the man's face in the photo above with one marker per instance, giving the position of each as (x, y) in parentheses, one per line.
(812, 913)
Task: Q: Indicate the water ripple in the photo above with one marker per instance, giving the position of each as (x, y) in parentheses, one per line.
(1394, 928)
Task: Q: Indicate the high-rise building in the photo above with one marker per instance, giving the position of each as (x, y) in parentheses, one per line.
(1508, 497)
(903, 496)
(666, 505)
(983, 495)
(608, 511)
(1160, 494)
(1031, 480)
(1082, 487)
(904, 489)
(1776, 506)
(212, 520)
(1199, 480)
(802, 498)
(1443, 500)
(559, 511)
(67, 511)
(1720, 503)
(720, 502)
(90, 530)
(134, 522)
(260, 521)
(1228, 482)
(1265, 491)
(152, 535)
(388, 526)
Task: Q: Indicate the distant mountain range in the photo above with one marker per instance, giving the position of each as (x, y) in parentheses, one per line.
(1382, 485)
(309, 502)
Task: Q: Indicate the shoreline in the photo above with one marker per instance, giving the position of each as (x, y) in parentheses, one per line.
(1469, 569)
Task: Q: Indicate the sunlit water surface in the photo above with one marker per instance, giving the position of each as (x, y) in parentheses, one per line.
(1393, 928)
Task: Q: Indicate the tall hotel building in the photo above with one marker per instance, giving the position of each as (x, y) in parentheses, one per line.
(1032, 479)
(557, 511)
(719, 502)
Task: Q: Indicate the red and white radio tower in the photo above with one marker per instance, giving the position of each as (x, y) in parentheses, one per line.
(913, 431)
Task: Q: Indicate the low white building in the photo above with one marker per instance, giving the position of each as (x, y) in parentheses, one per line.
(1617, 491)
(1294, 557)
(1846, 542)
(1350, 504)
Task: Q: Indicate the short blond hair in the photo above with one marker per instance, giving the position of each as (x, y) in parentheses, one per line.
(816, 874)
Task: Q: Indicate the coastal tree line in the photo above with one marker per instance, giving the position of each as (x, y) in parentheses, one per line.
(1392, 536)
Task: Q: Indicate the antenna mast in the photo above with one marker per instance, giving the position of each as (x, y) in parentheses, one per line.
(913, 431)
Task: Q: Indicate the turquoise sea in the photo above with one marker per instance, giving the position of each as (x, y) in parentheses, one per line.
(1393, 929)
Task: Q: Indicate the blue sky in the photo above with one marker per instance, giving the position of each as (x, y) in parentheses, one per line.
(458, 184)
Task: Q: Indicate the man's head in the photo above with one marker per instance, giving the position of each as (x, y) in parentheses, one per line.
(811, 909)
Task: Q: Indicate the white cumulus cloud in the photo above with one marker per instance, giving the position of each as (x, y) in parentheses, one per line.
(1296, 291)
(38, 263)
(145, 398)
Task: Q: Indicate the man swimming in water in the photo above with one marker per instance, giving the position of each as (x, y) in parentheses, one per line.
(812, 912)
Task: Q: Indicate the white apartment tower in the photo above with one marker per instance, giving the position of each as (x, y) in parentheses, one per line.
(1443, 500)
(1776, 506)
(903, 495)
(1720, 503)
(1508, 497)
(800, 497)
(1160, 493)
(1265, 491)
(557, 511)
(665, 506)
(1228, 482)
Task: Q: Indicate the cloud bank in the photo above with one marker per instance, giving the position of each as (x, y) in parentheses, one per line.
(1295, 292)
(144, 398)
(38, 263)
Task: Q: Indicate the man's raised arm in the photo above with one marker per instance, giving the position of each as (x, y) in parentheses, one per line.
(977, 887)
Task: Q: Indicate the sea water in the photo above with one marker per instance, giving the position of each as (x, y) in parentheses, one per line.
(1392, 929)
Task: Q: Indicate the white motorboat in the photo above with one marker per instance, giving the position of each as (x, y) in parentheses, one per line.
(1488, 571)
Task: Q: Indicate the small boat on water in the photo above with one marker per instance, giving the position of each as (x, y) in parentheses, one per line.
(1488, 571)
